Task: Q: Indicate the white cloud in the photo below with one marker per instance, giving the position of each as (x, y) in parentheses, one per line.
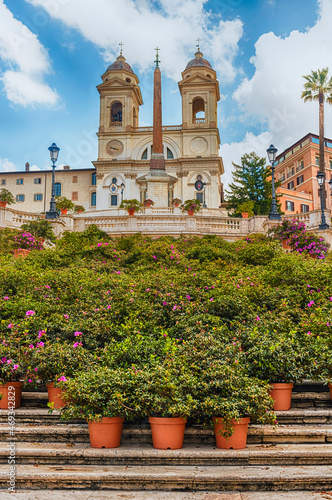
(233, 152)
(174, 25)
(6, 165)
(34, 168)
(273, 95)
(28, 61)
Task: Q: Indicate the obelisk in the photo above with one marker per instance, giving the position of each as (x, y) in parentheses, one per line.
(158, 181)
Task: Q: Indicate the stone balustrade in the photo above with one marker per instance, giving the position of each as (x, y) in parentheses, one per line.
(165, 221)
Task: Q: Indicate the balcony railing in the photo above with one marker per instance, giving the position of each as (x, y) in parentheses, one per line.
(199, 120)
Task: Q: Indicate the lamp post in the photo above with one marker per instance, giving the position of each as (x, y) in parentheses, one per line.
(122, 186)
(273, 215)
(321, 182)
(52, 213)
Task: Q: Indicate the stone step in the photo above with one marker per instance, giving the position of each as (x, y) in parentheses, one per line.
(163, 478)
(296, 416)
(299, 399)
(162, 495)
(78, 433)
(199, 455)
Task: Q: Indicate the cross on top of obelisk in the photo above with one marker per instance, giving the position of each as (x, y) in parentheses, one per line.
(121, 45)
(197, 45)
(157, 61)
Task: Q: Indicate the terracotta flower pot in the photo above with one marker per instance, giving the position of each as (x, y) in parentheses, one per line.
(285, 245)
(148, 205)
(106, 433)
(3, 204)
(245, 215)
(11, 395)
(22, 252)
(167, 433)
(238, 439)
(176, 204)
(63, 211)
(190, 212)
(55, 395)
(282, 395)
(131, 211)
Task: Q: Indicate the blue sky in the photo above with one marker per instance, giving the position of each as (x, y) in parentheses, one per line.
(53, 52)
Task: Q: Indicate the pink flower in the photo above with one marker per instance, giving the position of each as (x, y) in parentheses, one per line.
(188, 297)
(15, 367)
(40, 344)
(311, 303)
(9, 361)
(31, 346)
(76, 344)
(66, 316)
(108, 307)
(62, 379)
(36, 369)
(211, 298)
(6, 298)
(77, 334)
(30, 380)
(10, 325)
(174, 308)
(30, 313)
(257, 318)
(164, 303)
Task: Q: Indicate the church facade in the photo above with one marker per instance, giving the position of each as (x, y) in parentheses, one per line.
(190, 150)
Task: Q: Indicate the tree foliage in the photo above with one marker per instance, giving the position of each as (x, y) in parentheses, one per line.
(251, 182)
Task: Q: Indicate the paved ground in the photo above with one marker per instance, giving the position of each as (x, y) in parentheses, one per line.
(157, 495)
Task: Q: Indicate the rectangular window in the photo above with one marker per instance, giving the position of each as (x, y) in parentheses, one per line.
(317, 160)
(74, 195)
(20, 197)
(3, 182)
(330, 164)
(114, 200)
(304, 208)
(290, 185)
(300, 166)
(199, 197)
(37, 180)
(19, 181)
(282, 176)
(38, 197)
(299, 180)
(74, 179)
(290, 206)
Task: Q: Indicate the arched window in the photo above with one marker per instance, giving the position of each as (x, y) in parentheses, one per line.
(57, 188)
(94, 179)
(116, 112)
(169, 153)
(198, 110)
(145, 154)
(93, 199)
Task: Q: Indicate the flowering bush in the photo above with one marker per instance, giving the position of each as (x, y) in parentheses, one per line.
(12, 363)
(131, 205)
(27, 241)
(294, 233)
(148, 202)
(191, 205)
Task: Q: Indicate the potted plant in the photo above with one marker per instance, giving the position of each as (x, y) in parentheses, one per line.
(78, 209)
(131, 206)
(148, 203)
(164, 393)
(229, 398)
(176, 202)
(41, 229)
(246, 209)
(275, 355)
(64, 204)
(12, 368)
(104, 397)
(6, 198)
(55, 363)
(191, 206)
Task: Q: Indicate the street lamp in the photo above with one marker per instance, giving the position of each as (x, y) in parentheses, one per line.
(122, 186)
(321, 182)
(52, 213)
(273, 215)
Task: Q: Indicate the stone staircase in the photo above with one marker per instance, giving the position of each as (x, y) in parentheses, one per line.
(55, 455)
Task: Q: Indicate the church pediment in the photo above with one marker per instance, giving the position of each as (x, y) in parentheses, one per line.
(197, 78)
(115, 82)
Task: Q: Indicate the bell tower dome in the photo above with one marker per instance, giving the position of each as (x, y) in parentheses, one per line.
(199, 89)
(120, 97)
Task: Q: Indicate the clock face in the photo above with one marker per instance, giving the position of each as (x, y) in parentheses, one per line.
(114, 148)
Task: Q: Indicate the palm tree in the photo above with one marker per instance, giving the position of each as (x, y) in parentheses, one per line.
(319, 88)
